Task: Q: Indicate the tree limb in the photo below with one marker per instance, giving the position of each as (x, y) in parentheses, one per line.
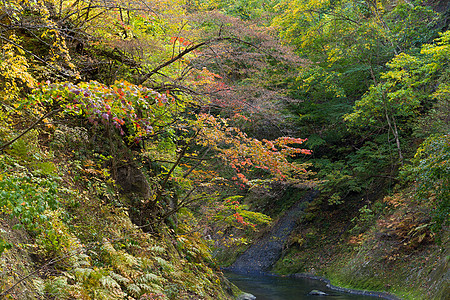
(29, 128)
(187, 51)
(180, 156)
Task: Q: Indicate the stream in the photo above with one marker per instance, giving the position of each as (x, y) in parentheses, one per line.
(249, 271)
(266, 287)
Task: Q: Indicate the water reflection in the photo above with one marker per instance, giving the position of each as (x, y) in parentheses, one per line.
(266, 287)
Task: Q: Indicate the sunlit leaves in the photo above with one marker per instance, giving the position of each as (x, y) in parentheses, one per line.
(243, 153)
(137, 110)
(45, 45)
(14, 72)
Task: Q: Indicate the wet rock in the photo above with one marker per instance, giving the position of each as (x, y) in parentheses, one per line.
(317, 293)
(246, 296)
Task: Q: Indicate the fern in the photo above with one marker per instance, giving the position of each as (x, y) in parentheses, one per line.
(157, 249)
(149, 277)
(164, 263)
(119, 278)
(108, 247)
(83, 273)
(102, 294)
(57, 288)
(39, 284)
(82, 260)
(128, 259)
(109, 282)
(134, 289)
(151, 287)
(145, 263)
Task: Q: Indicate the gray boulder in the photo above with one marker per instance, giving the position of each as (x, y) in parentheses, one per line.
(246, 296)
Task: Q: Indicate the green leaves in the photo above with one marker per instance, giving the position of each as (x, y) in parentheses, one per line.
(408, 84)
(27, 198)
(430, 169)
(411, 25)
(4, 246)
(406, 91)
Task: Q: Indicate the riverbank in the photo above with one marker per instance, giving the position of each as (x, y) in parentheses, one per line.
(382, 295)
(275, 287)
(388, 249)
(384, 249)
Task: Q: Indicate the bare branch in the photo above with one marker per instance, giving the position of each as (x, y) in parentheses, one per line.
(187, 51)
(29, 128)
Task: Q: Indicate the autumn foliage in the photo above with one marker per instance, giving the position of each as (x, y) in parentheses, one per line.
(245, 155)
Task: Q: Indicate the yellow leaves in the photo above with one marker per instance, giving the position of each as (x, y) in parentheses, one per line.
(334, 55)
(48, 123)
(13, 72)
(357, 239)
(44, 34)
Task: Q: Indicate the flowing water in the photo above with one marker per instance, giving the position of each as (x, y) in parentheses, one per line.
(260, 256)
(266, 287)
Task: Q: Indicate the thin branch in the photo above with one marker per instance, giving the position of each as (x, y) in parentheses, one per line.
(197, 164)
(187, 51)
(180, 156)
(49, 263)
(29, 128)
(182, 204)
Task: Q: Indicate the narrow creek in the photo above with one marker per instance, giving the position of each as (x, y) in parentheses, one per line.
(248, 269)
(266, 287)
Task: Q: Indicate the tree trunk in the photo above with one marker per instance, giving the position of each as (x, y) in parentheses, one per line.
(393, 128)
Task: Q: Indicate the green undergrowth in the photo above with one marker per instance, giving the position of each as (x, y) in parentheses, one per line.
(66, 232)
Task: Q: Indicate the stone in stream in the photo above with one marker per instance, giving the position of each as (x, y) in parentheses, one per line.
(246, 296)
(317, 293)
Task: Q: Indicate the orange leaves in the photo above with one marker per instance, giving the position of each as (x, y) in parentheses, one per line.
(356, 240)
(238, 116)
(181, 40)
(246, 155)
(120, 92)
(240, 220)
(242, 177)
(396, 200)
(235, 213)
(207, 79)
(285, 141)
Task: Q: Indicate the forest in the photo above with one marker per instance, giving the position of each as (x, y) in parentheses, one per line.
(146, 144)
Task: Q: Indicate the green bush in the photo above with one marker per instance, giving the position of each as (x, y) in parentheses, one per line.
(430, 170)
(27, 198)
